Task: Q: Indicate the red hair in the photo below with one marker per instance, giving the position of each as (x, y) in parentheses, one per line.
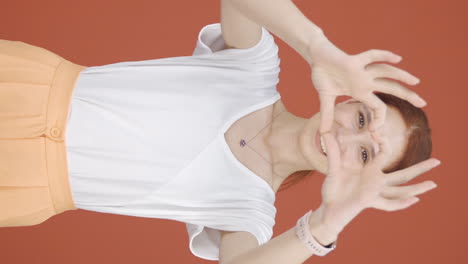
(418, 148)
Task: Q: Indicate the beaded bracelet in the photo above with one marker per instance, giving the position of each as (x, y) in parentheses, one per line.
(304, 235)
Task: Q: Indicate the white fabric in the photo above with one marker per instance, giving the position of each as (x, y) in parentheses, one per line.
(146, 138)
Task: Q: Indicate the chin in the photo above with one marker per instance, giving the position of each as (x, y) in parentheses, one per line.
(308, 146)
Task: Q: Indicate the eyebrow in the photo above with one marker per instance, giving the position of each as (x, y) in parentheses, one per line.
(372, 152)
(369, 120)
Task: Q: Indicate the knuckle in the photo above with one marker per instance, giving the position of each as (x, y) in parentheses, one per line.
(407, 177)
(407, 195)
(384, 66)
(418, 189)
(372, 52)
(415, 97)
(407, 75)
(383, 51)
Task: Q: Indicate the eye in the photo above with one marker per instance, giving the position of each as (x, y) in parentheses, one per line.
(364, 154)
(361, 120)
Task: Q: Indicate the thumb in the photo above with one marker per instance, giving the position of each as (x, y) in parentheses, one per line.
(333, 152)
(379, 111)
(327, 108)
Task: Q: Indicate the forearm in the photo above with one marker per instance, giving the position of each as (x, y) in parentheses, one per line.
(286, 21)
(287, 248)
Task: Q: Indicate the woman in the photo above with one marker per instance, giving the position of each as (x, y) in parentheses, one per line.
(204, 139)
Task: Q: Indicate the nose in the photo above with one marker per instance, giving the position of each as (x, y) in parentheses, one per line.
(348, 137)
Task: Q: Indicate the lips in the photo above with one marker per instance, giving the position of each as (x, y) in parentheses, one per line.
(317, 143)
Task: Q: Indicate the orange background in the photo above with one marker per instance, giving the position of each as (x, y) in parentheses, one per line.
(430, 35)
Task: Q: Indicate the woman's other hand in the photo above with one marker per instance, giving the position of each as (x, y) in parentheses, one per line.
(335, 73)
(348, 188)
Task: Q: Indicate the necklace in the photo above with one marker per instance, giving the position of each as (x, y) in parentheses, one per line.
(243, 143)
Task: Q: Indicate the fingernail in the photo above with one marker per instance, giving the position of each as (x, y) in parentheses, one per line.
(422, 102)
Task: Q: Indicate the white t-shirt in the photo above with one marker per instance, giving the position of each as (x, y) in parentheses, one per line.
(146, 138)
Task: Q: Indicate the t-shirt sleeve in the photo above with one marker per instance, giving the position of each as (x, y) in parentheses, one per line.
(204, 240)
(210, 43)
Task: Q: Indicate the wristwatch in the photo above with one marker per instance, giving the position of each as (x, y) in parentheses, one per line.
(304, 235)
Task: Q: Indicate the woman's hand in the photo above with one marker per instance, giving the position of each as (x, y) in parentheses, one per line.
(349, 188)
(336, 73)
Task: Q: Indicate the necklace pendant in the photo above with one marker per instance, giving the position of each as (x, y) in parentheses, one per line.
(242, 143)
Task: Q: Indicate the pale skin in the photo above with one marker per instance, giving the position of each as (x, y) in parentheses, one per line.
(292, 145)
(350, 185)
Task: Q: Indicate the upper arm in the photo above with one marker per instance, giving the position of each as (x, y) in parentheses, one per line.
(239, 32)
(234, 243)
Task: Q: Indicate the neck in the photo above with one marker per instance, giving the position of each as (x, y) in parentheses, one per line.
(283, 143)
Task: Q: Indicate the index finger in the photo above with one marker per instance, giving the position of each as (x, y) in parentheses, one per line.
(384, 150)
(327, 108)
(333, 152)
(379, 110)
(407, 174)
(398, 90)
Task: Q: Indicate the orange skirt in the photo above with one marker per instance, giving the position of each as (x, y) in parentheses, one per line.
(35, 93)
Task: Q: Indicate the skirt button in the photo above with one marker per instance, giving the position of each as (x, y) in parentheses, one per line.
(55, 132)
